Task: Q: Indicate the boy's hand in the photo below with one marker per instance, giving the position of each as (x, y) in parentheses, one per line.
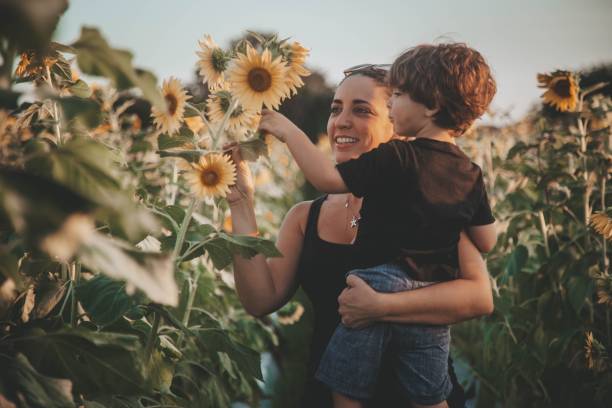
(277, 125)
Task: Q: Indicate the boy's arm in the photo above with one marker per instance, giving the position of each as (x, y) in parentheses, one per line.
(315, 165)
(483, 236)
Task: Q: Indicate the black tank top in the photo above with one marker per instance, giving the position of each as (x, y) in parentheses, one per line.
(321, 271)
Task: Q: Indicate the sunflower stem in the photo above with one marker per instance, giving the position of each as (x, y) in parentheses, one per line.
(544, 232)
(221, 127)
(585, 173)
(604, 239)
(58, 133)
(193, 288)
(175, 186)
(152, 336)
(184, 225)
(75, 277)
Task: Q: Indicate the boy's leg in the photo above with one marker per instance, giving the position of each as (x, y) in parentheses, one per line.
(442, 404)
(351, 362)
(422, 363)
(342, 401)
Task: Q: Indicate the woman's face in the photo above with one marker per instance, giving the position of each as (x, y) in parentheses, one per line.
(359, 118)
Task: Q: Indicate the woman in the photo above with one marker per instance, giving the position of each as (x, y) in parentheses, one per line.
(315, 240)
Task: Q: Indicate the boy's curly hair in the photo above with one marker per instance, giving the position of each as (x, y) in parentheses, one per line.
(453, 78)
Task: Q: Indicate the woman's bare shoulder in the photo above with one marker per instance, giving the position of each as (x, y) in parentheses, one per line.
(298, 214)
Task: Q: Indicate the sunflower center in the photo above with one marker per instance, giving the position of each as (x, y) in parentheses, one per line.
(562, 87)
(219, 62)
(171, 103)
(209, 178)
(260, 79)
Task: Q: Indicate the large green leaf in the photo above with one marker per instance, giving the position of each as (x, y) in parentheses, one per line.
(30, 24)
(36, 390)
(580, 289)
(222, 248)
(37, 206)
(517, 260)
(253, 148)
(97, 363)
(247, 360)
(89, 168)
(104, 299)
(87, 111)
(151, 272)
(96, 57)
(165, 141)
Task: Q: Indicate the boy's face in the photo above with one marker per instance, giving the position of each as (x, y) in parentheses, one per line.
(409, 117)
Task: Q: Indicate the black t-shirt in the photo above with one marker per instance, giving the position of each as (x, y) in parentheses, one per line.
(418, 196)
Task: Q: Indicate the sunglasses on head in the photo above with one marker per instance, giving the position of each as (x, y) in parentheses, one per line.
(366, 67)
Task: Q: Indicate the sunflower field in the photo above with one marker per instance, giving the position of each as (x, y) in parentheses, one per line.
(116, 245)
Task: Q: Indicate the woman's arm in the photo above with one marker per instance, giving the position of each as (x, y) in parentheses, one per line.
(443, 303)
(264, 285)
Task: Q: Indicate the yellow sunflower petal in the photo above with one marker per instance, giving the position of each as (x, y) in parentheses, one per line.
(561, 90)
(169, 118)
(212, 176)
(212, 61)
(255, 79)
(240, 121)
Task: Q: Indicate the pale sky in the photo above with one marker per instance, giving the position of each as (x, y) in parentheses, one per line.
(518, 38)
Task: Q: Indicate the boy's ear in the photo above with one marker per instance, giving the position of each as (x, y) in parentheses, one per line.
(430, 113)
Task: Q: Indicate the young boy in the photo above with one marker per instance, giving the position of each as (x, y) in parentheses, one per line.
(418, 196)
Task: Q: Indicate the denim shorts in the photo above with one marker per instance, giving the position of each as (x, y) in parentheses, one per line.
(351, 362)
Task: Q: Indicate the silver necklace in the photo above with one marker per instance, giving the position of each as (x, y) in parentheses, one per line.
(354, 223)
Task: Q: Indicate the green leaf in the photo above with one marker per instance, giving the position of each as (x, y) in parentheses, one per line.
(96, 57)
(517, 260)
(165, 141)
(580, 289)
(104, 300)
(86, 111)
(97, 363)
(9, 268)
(191, 156)
(247, 360)
(80, 89)
(90, 169)
(36, 390)
(8, 99)
(222, 247)
(151, 272)
(252, 149)
(37, 206)
(218, 252)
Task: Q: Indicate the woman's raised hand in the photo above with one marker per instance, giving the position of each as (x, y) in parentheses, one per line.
(243, 190)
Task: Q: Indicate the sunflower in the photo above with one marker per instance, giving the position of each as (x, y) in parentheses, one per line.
(296, 55)
(240, 120)
(169, 119)
(602, 224)
(211, 176)
(561, 90)
(32, 64)
(595, 354)
(256, 79)
(588, 349)
(603, 288)
(213, 62)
